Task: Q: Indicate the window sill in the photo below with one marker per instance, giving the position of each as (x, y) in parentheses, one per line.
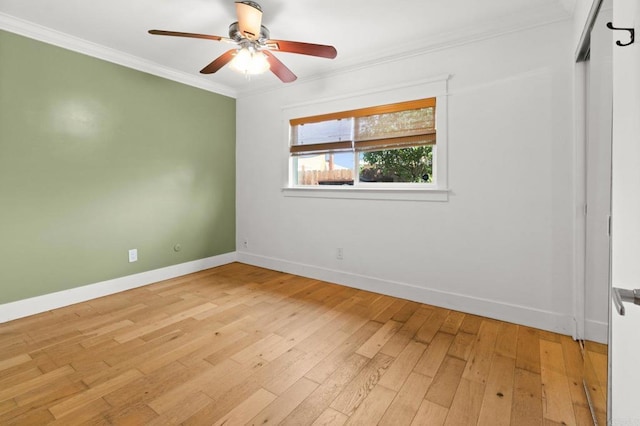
(350, 192)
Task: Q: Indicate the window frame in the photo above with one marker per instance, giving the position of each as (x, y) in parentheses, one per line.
(436, 191)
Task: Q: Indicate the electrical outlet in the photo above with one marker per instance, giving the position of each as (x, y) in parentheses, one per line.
(133, 255)
(339, 253)
(245, 243)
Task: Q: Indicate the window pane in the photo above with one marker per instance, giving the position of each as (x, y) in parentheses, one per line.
(402, 123)
(324, 131)
(413, 164)
(324, 169)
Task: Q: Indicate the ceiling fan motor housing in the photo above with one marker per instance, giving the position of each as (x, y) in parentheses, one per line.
(252, 4)
(236, 35)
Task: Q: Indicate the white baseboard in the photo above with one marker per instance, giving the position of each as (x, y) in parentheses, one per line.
(596, 331)
(35, 305)
(523, 315)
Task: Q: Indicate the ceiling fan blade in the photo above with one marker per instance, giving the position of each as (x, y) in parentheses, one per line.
(310, 49)
(219, 62)
(179, 34)
(279, 69)
(249, 18)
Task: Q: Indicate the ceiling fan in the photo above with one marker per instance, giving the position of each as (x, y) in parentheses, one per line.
(252, 54)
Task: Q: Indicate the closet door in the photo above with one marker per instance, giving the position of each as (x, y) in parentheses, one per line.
(598, 209)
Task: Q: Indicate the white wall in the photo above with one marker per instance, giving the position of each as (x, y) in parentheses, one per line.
(500, 247)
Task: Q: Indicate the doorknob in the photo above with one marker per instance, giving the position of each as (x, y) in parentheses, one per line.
(624, 295)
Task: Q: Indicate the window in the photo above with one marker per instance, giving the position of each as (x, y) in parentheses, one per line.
(389, 143)
(383, 145)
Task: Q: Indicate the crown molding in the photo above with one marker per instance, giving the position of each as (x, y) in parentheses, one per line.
(535, 18)
(521, 22)
(66, 41)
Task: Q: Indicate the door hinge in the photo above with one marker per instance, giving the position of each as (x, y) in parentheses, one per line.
(609, 225)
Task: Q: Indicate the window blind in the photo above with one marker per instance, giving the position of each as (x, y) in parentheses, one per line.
(392, 126)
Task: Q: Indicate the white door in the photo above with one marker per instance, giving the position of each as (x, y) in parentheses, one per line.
(625, 211)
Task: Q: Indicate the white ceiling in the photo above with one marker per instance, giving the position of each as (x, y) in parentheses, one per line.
(361, 30)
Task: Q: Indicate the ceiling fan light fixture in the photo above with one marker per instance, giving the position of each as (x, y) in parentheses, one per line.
(249, 61)
(253, 52)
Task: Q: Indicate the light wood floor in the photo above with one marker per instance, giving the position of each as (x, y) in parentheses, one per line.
(242, 345)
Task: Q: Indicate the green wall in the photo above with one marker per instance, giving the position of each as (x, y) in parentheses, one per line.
(97, 159)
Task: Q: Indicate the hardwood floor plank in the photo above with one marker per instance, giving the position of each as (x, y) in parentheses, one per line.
(92, 413)
(406, 312)
(49, 393)
(300, 368)
(528, 350)
(7, 405)
(372, 407)
(238, 387)
(431, 326)
(400, 369)
(330, 417)
(556, 398)
(407, 402)
(574, 371)
(445, 383)
(452, 323)
(247, 408)
(152, 386)
(393, 309)
(372, 346)
(358, 389)
(430, 414)
(600, 363)
(413, 322)
(184, 409)
(283, 405)
(255, 350)
(240, 344)
(146, 329)
(526, 409)
(18, 377)
(41, 380)
(12, 362)
(42, 397)
(466, 404)
(214, 374)
(76, 402)
(219, 341)
(507, 341)
(477, 367)
(417, 319)
(498, 396)
(313, 406)
(597, 390)
(471, 324)
(321, 371)
(295, 337)
(462, 345)
(430, 362)
(39, 416)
